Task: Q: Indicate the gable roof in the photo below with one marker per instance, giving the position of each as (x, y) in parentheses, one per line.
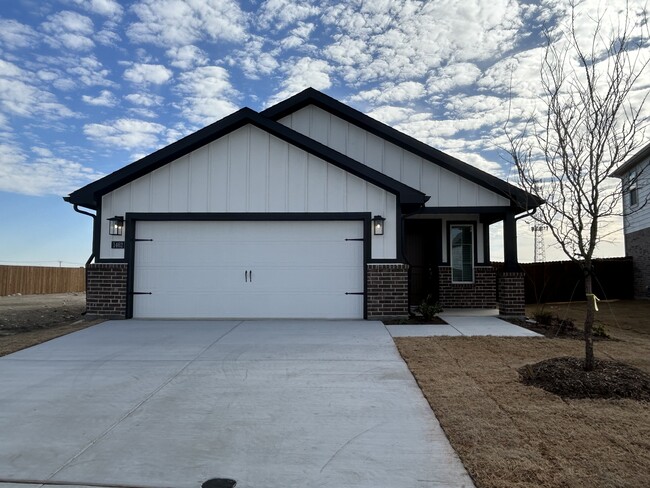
(632, 162)
(520, 198)
(90, 195)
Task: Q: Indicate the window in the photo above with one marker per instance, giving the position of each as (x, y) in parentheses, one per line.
(632, 189)
(462, 253)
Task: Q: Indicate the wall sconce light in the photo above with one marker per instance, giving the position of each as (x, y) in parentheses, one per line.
(115, 225)
(378, 225)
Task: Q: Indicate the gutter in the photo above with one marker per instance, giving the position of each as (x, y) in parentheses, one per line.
(92, 254)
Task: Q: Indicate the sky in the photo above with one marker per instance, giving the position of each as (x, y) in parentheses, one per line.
(88, 86)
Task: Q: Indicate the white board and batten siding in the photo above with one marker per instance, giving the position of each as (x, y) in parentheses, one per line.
(249, 171)
(638, 217)
(445, 188)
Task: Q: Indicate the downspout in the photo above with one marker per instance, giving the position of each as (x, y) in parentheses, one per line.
(92, 253)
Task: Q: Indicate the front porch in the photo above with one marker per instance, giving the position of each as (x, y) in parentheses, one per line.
(448, 257)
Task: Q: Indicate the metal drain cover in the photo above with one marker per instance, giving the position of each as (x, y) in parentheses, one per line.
(219, 483)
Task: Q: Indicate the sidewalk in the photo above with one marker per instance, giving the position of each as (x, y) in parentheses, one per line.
(464, 322)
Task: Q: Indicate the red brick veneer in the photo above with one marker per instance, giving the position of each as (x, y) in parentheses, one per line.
(106, 290)
(511, 294)
(387, 290)
(479, 294)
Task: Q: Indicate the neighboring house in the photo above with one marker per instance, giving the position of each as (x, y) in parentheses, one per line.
(309, 209)
(636, 220)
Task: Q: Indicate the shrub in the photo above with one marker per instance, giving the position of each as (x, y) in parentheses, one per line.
(598, 330)
(428, 308)
(543, 317)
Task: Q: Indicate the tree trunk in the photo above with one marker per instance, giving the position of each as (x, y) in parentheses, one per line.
(589, 322)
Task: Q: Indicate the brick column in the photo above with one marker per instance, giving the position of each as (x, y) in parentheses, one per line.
(511, 294)
(387, 290)
(482, 293)
(106, 290)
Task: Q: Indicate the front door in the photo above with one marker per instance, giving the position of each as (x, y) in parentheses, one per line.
(423, 251)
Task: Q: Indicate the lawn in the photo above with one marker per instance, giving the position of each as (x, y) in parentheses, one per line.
(511, 435)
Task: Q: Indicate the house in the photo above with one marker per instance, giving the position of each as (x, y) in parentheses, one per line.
(636, 220)
(309, 209)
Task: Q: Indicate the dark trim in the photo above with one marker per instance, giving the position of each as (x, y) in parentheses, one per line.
(248, 216)
(519, 197)
(386, 261)
(131, 219)
(475, 262)
(486, 243)
(90, 195)
(462, 210)
(510, 243)
(97, 235)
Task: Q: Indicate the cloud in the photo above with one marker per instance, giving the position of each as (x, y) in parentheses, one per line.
(18, 96)
(186, 57)
(303, 73)
(126, 133)
(143, 112)
(144, 74)
(254, 61)
(42, 174)
(391, 115)
(178, 23)
(401, 41)
(144, 99)
(452, 76)
(108, 8)
(298, 36)
(391, 92)
(14, 35)
(88, 70)
(107, 37)
(69, 30)
(206, 94)
(105, 99)
(278, 14)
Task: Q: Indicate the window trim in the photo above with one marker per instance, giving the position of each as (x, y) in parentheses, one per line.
(633, 188)
(462, 223)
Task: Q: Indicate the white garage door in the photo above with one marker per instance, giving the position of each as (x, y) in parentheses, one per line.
(297, 269)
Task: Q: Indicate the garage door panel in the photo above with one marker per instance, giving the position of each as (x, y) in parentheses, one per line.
(199, 269)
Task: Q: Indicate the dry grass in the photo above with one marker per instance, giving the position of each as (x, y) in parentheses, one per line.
(512, 435)
(12, 343)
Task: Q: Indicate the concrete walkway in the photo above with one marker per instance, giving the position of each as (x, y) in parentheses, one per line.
(266, 403)
(464, 322)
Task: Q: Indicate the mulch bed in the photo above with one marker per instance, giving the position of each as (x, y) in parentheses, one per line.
(556, 329)
(415, 320)
(566, 377)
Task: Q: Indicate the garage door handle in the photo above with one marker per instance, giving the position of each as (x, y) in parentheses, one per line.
(246, 276)
(250, 275)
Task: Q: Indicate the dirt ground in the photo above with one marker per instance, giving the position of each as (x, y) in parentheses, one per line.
(512, 435)
(26, 320)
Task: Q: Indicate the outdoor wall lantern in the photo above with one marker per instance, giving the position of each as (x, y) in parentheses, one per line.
(115, 225)
(378, 225)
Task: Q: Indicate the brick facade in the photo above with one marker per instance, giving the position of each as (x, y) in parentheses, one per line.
(387, 290)
(106, 290)
(511, 294)
(637, 245)
(480, 294)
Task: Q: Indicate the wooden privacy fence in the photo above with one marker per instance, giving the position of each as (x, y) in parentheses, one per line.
(35, 280)
(563, 281)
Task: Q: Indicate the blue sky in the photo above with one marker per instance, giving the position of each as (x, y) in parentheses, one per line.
(88, 86)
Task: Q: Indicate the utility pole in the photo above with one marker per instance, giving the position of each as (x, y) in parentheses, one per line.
(539, 248)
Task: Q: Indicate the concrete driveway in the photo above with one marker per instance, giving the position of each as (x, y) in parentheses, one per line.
(175, 403)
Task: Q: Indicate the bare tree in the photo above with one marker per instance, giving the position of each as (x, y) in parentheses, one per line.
(591, 124)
